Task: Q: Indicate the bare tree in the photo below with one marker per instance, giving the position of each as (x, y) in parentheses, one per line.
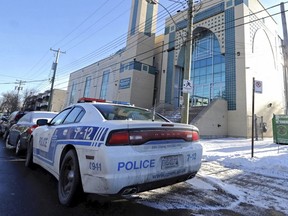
(26, 96)
(9, 102)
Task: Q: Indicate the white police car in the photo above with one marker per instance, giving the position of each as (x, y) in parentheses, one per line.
(112, 149)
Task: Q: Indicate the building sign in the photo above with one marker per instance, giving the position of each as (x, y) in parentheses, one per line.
(125, 83)
(258, 85)
(187, 86)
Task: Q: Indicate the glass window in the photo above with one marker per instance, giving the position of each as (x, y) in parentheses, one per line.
(87, 86)
(118, 112)
(209, 67)
(197, 72)
(217, 77)
(209, 70)
(25, 118)
(73, 93)
(217, 68)
(196, 64)
(104, 85)
(58, 119)
(73, 115)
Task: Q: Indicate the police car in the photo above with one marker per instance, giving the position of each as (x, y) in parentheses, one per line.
(112, 149)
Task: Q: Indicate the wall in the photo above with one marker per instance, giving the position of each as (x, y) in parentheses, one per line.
(212, 122)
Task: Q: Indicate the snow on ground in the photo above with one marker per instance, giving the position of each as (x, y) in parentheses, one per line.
(231, 179)
(269, 159)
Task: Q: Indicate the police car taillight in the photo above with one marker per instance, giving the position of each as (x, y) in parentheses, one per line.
(138, 137)
(31, 129)
(119, 138)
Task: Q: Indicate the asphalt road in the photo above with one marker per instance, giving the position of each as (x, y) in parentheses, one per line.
(34, 192)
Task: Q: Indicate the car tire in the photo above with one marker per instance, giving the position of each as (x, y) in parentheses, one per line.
(29, 155)
(7, 145)
(5, 135)
(69, 184)
(18, 149)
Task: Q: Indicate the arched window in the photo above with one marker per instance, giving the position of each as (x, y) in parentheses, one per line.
(207, 69)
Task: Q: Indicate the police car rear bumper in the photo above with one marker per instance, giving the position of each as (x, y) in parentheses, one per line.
(153, 185)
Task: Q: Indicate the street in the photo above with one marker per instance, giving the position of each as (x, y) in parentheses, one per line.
(34, 192)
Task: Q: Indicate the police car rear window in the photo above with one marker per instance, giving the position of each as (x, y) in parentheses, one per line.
(118, 112)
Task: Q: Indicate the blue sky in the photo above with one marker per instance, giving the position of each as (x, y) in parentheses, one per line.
(84, 29)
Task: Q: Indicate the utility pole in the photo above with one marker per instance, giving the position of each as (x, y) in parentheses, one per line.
(54, 68)
(187, 66)
(19, 88)
(285, 54)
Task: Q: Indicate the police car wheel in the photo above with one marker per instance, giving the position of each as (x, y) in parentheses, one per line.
(69, 184)
(29, 160)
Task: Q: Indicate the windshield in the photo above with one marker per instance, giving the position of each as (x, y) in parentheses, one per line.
(118, 112)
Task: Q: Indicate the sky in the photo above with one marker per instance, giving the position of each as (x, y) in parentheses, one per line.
(228, 162)
(85, 33)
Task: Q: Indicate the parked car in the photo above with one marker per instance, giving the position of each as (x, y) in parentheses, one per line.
(12, 119)
(3, 120)
(20, 132)
(113, 149)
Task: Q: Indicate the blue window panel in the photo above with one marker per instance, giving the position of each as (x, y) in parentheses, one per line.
(203, 63)
(134, 18)
(217, 68)
(170, 66)
(212, 11)
(87, 86)
(230, 78)
(209, 70)
(196, 80)
(217, 77)
(167, 30)
(209, 79)
(152, 70)
(197, 64)
(229, 3)
(104, 85)
(209, 61)
(197, 72)
(122, 68)
(202, 79)
(238, 2)
(149, 18)
(182, 24)
(137, 65)
(217, 59)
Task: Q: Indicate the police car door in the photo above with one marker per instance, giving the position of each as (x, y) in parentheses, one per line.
(45, 149)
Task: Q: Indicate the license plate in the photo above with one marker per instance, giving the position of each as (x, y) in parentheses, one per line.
(169, 162)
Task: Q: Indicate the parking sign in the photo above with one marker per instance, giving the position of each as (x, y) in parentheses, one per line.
(258, 85)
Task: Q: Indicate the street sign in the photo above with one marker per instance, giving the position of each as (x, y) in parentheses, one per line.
(187, 86)
(258, 85)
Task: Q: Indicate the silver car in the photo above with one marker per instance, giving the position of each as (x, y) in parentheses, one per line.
(19, 133)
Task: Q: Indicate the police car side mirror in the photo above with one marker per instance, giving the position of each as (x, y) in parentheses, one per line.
(41, 122)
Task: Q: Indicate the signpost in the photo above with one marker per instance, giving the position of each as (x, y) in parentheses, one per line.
(257, 86)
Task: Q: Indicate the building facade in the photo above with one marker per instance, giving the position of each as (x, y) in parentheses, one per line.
(233, 41)
(129, 74)
(41, 101)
